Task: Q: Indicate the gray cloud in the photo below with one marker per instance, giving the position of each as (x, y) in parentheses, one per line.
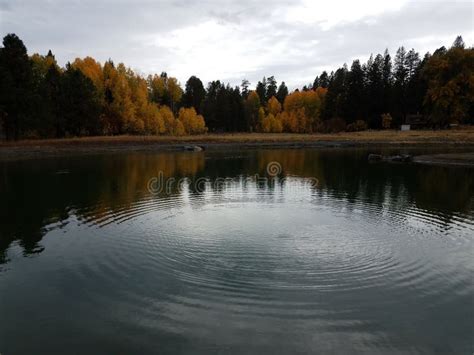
(227, 40)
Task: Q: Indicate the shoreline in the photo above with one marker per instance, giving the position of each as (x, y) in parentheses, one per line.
(30, 149)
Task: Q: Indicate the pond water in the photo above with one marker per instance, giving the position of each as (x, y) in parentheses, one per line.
(255, 251)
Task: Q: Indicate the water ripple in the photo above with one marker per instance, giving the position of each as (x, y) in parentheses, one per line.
(251, 258)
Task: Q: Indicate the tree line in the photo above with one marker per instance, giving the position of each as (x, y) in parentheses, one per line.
(39, 99)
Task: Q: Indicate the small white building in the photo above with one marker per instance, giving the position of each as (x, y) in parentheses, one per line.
(405, 127)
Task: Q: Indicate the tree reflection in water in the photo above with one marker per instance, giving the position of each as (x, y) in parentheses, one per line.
(43, 194)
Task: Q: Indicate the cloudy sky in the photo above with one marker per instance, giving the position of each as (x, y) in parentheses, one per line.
(230, 40)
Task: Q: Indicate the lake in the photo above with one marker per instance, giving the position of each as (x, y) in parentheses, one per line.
(255, 251)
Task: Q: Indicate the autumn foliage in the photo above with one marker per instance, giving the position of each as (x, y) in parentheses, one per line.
(192, 122)
(40, 99)
(300, 113)
(88, 98)
(133, 104)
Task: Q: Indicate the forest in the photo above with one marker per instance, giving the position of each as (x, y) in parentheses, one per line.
(40, 99)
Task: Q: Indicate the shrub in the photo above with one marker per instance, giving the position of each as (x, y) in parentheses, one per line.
(386, 120)
(335, 125)
(357, 126)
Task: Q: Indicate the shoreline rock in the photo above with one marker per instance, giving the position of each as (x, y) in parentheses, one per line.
(404, 158)
(193, 148)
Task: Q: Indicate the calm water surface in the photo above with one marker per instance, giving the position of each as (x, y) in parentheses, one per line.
(375, 258)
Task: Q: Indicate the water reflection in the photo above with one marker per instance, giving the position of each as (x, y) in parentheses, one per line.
(39, 195)
(376, 257)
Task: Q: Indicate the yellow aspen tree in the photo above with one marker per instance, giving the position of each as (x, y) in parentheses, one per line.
(192, 122)
(303, 110)
(267, 124)
(301, 121)
(41, 64)
(276, 124)
(174, 91)
(291, 123)
(157, 87)
(123, 101)
(252, 106)
(178, 128)
(168, 119)
(139, 95)
(261, 118)
(93, 70)
(273, 106)
(283, 118)
(154, 123)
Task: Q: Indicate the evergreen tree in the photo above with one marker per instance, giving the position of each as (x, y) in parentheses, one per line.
(282, 92)
(324, 80)
(400, 76)
(237, 111)
(316, 83)
(223, 108)
(16, 87)
(416, 85)
(387, 81)
(51, 90)
(355, 103)
(245, 88)
(262, 90)
(271, 88)
(194, 94)
(336, 95)
(210, 107)
(406, 67)
(38, 98)
(412, 62)
(458, 43)
(79, 104)
(375, 90)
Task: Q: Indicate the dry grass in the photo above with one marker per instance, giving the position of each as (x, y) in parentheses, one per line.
(465, 135)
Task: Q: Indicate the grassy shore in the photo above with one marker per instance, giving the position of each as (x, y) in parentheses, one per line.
(48, 147)
(390, 136)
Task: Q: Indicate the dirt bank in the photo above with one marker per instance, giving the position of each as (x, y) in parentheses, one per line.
(98, 145)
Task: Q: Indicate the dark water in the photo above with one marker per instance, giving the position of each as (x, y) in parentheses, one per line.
(374, 258)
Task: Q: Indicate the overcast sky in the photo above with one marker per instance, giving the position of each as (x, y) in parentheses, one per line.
(231, 40)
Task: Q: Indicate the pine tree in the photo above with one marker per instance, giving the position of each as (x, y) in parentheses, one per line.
(324, 80)
(282, 92)
(356, 102)
(375, 90)
(245, 88)
(387, 81)
(194, 94)
(415, 84)
(16, 87)
(261, 90)
(400, 75)
(271, 88)
(336, 96)
(316, 83)
(51, 91)
(79, 104)
(458, 43)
